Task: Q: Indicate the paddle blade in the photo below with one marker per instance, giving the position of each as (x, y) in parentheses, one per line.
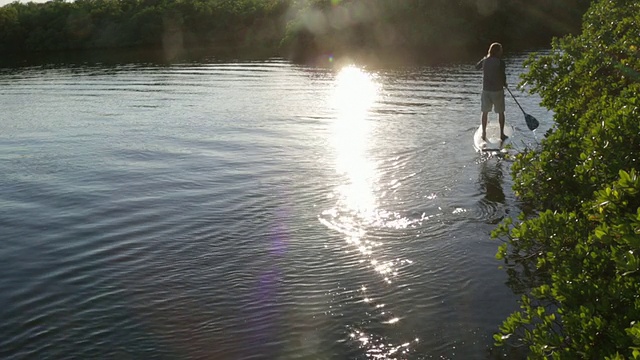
(532, 123)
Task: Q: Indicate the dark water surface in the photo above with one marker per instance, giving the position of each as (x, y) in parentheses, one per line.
(250, 210)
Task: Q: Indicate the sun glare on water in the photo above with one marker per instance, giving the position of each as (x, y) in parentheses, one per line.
(354, 94)
(357, 212)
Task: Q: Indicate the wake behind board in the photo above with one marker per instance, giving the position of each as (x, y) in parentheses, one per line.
(493, 143)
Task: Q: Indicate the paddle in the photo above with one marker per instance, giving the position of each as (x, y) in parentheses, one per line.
(532, 123)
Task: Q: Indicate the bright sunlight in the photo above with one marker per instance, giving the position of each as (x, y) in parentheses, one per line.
(354, 94)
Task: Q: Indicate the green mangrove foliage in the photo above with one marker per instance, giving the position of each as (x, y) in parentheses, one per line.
(581, 252)
(92, 24)
(300, 28)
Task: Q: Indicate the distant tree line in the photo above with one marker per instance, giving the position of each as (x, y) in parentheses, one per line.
(100, 24)
(298, 28)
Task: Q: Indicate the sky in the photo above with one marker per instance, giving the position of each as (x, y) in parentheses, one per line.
(5, 2)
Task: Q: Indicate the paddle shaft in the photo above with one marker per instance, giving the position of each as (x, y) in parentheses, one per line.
(514, 99)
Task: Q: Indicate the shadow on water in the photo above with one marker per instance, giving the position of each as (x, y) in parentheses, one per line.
(492, 180)
(132, 56)
(491, 184)
(522, 273)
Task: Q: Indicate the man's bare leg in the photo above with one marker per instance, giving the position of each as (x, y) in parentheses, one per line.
(484, 126)
(501, 120)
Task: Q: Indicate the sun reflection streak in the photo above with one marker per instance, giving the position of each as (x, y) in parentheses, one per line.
(357, 211)
(354, 94)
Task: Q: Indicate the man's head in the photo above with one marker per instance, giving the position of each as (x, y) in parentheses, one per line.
(495, 49)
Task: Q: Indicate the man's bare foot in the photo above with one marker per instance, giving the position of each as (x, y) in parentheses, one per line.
(503, 137)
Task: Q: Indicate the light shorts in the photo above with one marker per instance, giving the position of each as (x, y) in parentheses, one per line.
(492, 99)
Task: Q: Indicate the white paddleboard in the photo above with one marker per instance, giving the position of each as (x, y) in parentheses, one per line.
(493, 143)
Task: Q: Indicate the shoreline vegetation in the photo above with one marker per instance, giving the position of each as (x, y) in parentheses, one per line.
(575, 256)
(304, 31)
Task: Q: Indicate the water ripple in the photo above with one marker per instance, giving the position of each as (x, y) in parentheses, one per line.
(221, 210)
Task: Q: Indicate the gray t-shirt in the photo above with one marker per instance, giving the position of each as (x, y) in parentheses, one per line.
(493, 70)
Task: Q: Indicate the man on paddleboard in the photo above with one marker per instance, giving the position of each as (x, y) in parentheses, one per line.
(494, 79)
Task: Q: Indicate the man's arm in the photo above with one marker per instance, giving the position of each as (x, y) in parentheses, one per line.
(479, 64)
(503, 71)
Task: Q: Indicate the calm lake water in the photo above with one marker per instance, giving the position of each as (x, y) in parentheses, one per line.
(251, 210)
